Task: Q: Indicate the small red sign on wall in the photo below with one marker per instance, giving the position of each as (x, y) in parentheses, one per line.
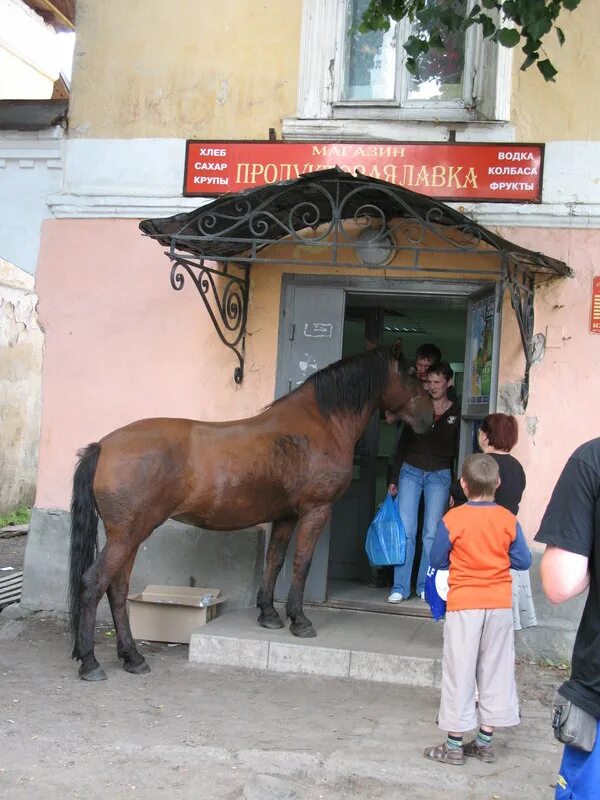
(595, 316)
(448, 171)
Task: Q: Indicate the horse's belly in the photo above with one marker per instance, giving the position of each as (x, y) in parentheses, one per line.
(237, 511)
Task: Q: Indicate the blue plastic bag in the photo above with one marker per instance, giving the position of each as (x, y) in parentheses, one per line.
(386, 537)
(436, 591)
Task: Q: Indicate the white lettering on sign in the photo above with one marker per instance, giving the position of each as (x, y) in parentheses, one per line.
(212, 151)
(514, 187)
(512, 171)
(198, 179)
(318, 330)
(211, 165)
(509, 156)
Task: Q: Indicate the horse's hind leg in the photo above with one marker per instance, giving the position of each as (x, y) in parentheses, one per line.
(309, 529)
(133, 660)
(95, 582)
(280, 537)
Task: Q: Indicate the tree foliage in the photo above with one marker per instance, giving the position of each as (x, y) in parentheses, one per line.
(508, 22)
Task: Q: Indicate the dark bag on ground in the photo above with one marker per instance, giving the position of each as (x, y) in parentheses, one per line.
(572, 725)
(386, 537)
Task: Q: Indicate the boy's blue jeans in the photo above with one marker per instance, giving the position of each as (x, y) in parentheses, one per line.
(411, 484)
(579, 774)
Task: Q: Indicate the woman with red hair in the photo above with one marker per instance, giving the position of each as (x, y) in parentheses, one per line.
(496, 437)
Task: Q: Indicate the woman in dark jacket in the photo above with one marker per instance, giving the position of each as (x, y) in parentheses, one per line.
(423, 466)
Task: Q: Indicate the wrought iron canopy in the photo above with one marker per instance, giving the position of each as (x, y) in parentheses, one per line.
(321, 211)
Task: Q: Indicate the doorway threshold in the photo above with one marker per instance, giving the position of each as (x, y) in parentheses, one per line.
(356, 596)
(349, 644)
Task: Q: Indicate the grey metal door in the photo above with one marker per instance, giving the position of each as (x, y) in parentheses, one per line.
(482, 354)
(310, 338)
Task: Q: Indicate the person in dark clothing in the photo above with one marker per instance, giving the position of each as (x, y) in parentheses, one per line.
(570, 529)
(426, 356)
(496, 437)
(423, 464)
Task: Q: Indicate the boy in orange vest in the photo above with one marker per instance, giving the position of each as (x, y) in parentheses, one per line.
(478, 542)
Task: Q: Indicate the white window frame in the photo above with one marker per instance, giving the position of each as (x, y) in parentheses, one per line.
(487, 95)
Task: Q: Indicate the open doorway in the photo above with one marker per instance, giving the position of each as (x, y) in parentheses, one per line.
(374, 319)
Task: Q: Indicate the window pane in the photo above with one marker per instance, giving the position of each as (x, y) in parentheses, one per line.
(370, 59)
(441, 72)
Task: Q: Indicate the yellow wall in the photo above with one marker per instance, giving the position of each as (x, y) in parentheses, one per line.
(566, 109)
(228, 69)
(190, 68)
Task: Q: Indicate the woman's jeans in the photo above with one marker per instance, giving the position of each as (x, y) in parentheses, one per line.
(436, 487)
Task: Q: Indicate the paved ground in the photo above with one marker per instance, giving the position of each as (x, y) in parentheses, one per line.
(189, 731)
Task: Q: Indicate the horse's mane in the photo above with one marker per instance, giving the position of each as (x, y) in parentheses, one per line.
(349, 384)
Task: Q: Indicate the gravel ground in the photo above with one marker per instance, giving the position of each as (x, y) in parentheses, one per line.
(190, 731)
(12, 552)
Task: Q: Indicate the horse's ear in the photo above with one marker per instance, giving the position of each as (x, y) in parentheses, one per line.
(397, 350)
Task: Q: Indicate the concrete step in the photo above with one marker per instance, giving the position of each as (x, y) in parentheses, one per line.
(361, 645)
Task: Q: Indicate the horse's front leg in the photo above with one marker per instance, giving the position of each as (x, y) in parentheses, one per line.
(309, 528)
(280, 537)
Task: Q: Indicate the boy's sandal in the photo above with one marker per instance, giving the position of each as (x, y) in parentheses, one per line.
(442, 753)
(482, 753)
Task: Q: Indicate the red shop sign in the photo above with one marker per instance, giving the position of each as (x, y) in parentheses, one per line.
(475, 172)
(595, 315)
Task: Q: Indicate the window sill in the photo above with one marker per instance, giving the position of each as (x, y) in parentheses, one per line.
(363, 130)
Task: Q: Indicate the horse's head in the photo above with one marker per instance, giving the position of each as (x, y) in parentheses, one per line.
(404, 397)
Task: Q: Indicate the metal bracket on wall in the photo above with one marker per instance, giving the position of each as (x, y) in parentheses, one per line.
(224, 289)
(521, 286)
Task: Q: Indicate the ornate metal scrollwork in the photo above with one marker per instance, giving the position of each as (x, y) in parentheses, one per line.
(398, 230)
(225, 296)
(521, 286)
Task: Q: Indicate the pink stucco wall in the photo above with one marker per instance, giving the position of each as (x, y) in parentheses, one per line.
(564, 386)
(122, 345)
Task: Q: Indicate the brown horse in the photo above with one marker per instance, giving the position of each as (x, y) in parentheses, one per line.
(288, 465)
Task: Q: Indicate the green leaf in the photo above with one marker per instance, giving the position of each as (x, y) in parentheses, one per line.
(531, 46)
(547, 70)
(489, 4)
(489, 29)
(529, 61)
(415, 46)
(411, 66)
(571, 5)
(561, 36)
(511, 10)
(435, 41)
(509, 37)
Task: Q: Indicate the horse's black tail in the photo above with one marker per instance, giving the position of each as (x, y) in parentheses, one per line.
(84, 531)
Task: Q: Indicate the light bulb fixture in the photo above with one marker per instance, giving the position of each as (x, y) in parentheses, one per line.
(375, 247)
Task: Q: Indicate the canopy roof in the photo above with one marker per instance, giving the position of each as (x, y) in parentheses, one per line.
(237, 226)
(58, 13)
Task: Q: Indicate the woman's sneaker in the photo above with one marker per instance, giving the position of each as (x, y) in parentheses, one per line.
(395, 597)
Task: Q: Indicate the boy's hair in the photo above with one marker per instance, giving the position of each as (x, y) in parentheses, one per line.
(429, 351)
(502, 431)
(481, 475)
(441, 368)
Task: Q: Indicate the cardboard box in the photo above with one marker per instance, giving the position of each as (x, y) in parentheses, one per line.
(171, 613)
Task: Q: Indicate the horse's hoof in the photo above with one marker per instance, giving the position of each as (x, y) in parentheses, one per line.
(137, 669)
(303, 630)
(270, 621)
(95, 674)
